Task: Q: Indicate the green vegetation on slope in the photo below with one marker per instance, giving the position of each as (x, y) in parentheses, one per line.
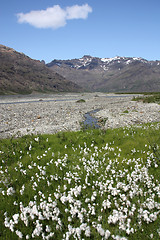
(149, 98)
(81, 185)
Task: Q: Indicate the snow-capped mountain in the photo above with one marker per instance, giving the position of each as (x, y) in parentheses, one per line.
(117, 74)
(89, 62)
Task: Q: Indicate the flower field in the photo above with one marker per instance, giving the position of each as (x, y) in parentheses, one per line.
(85, 185)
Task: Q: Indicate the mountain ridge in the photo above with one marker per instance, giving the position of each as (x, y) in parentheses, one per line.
(110, 74)
(21, 74)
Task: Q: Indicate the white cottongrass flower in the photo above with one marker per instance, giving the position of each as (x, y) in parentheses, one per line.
(87, 231)
(36, 139)
(100, 230)
(22, 189)
(107, 234)
(106, 204)
(10, 191)
(48, 228)
(104, 186)
(19, 234)
(37, 231)
(16, 218)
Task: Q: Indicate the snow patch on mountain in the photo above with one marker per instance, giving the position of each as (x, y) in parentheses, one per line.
(108, 60)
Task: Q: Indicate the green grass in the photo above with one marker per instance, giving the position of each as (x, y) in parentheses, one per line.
(86, 185)
(149, 98)
(81, 101)
(125, 111)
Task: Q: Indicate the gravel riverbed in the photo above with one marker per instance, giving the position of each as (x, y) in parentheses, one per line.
(38, 114)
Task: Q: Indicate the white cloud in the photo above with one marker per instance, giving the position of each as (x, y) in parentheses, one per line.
(76, 11)
(54, 17)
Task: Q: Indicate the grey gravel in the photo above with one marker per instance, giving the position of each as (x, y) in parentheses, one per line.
(38, 114)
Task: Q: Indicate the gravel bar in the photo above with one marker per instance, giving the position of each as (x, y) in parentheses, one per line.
(39, 114)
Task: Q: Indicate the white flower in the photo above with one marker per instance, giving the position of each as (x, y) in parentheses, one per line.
(106, 203)
(10, 191)
(19, 234)
(22, 189)
(15, 203)
(99, 218)
(100, 230)
(78, 231)
(87, 231)
(87, 200)
(36, 139)
(107, 234)
(15, 218)
(48, 228)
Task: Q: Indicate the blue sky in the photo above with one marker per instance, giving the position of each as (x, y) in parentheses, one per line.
(66, 29)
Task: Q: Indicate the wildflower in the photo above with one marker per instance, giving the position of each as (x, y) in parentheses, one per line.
(37, 231)
(15, 218)
(48, 228)
(10, 191)
(36, 139)
(87, 231)
(100, 230)
(22, 189)
(107, 234)
(151, 235)
(19, 234)
(106, 203)
(29, 166)
(15, 203)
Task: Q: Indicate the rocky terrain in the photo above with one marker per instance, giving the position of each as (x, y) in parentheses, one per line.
(21, 74)
(118, 74)
(21, 115)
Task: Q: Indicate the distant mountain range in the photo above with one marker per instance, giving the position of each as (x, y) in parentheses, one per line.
(118, 74)
(21, 74)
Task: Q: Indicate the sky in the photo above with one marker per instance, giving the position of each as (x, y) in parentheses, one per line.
(68, 29)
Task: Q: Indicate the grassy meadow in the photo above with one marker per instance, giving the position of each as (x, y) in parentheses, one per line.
(149, 98)
(90, 184)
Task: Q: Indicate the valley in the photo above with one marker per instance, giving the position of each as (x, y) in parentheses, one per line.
(52, 113)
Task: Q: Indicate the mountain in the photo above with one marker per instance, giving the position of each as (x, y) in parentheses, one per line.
(21, 74)
(118, 74)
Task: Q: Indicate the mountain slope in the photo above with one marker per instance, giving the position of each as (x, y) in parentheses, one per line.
(118, 74)
(21, 74)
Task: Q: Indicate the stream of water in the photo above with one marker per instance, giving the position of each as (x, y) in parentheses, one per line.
(90, 121)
